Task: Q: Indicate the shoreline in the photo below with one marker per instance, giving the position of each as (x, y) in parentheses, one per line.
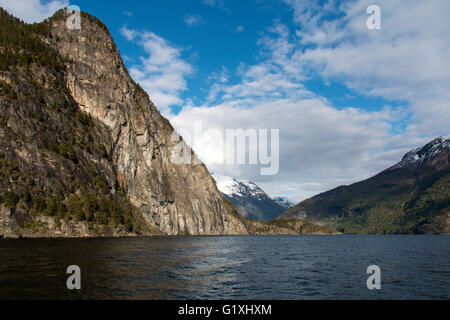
(9, 237)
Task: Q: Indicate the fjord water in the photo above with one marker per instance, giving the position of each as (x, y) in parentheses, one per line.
(244, 267)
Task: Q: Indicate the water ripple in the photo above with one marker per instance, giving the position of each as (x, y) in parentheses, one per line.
(269, 267)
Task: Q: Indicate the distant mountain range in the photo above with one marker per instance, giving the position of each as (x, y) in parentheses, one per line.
(250, 200)
(413, 196)
(284, 202)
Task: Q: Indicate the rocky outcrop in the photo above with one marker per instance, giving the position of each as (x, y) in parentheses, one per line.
(8, 225)
(176, 198)
(84, 151)
(11, 227)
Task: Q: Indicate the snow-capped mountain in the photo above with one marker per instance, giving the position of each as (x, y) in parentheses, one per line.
(284, 202)
(412, 196)
(428, 152)
(250, 200)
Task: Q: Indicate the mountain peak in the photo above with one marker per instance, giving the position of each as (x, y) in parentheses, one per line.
(251, 201)
(423, 154)
(284, 201)
(79, 127)
(410, 197)
(239, 187)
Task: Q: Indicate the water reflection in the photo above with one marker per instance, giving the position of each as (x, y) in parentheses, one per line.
(266, 267)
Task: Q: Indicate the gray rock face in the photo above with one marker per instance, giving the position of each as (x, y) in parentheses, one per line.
(176, 198)
(284, 202)
(11, 226)
(8, 224)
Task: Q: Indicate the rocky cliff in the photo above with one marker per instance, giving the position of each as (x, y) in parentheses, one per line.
(75, 126)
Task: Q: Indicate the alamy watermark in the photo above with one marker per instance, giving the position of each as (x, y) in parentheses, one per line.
(374, 281)
(74, 20)
(374, 21)
(232, 147)
(74, 280)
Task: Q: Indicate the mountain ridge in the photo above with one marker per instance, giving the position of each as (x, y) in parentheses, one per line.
(97, 138)
(284, 202)
(250, 200)
(410, 197)
(85, 153)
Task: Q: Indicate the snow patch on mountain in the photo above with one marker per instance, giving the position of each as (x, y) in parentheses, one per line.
(238, 187)
(225, 184)
(284, 201)
(418, 156)
(250, 200)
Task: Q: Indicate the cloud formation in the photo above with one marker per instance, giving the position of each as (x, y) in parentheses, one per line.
(33, 10)
(218, 4)
(192, 20)
(405, 60)
(322, 147)
(162, 72)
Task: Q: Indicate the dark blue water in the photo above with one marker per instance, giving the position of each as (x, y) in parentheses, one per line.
(247, 267)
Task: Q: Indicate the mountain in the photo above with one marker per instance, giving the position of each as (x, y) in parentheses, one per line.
(250, 200)
(284, 202)
(83, 150)
(413, 196)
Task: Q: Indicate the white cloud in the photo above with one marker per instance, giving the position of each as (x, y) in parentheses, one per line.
(162, 73)
(406, 60)
(221, 77)
(33, 10)
(217, 3)
(322, 147)
(193, 20)
(129, 34)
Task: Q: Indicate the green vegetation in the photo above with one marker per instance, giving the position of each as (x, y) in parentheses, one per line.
(385, 205)
(420, 212)
(21, 46)
(54, 159)
(7, 91)
(88, 206)
(405, 216)
(9, 199)
(21, 43)
(36, 226)
(406, 199)
(280, 226)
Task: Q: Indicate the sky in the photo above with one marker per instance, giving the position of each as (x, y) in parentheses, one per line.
(349, 101)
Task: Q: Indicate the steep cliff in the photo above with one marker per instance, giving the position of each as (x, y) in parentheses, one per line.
(77, 126)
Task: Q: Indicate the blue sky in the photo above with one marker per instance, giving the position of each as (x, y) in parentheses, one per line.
(348, 101)
(220, 35)
(213, 35)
